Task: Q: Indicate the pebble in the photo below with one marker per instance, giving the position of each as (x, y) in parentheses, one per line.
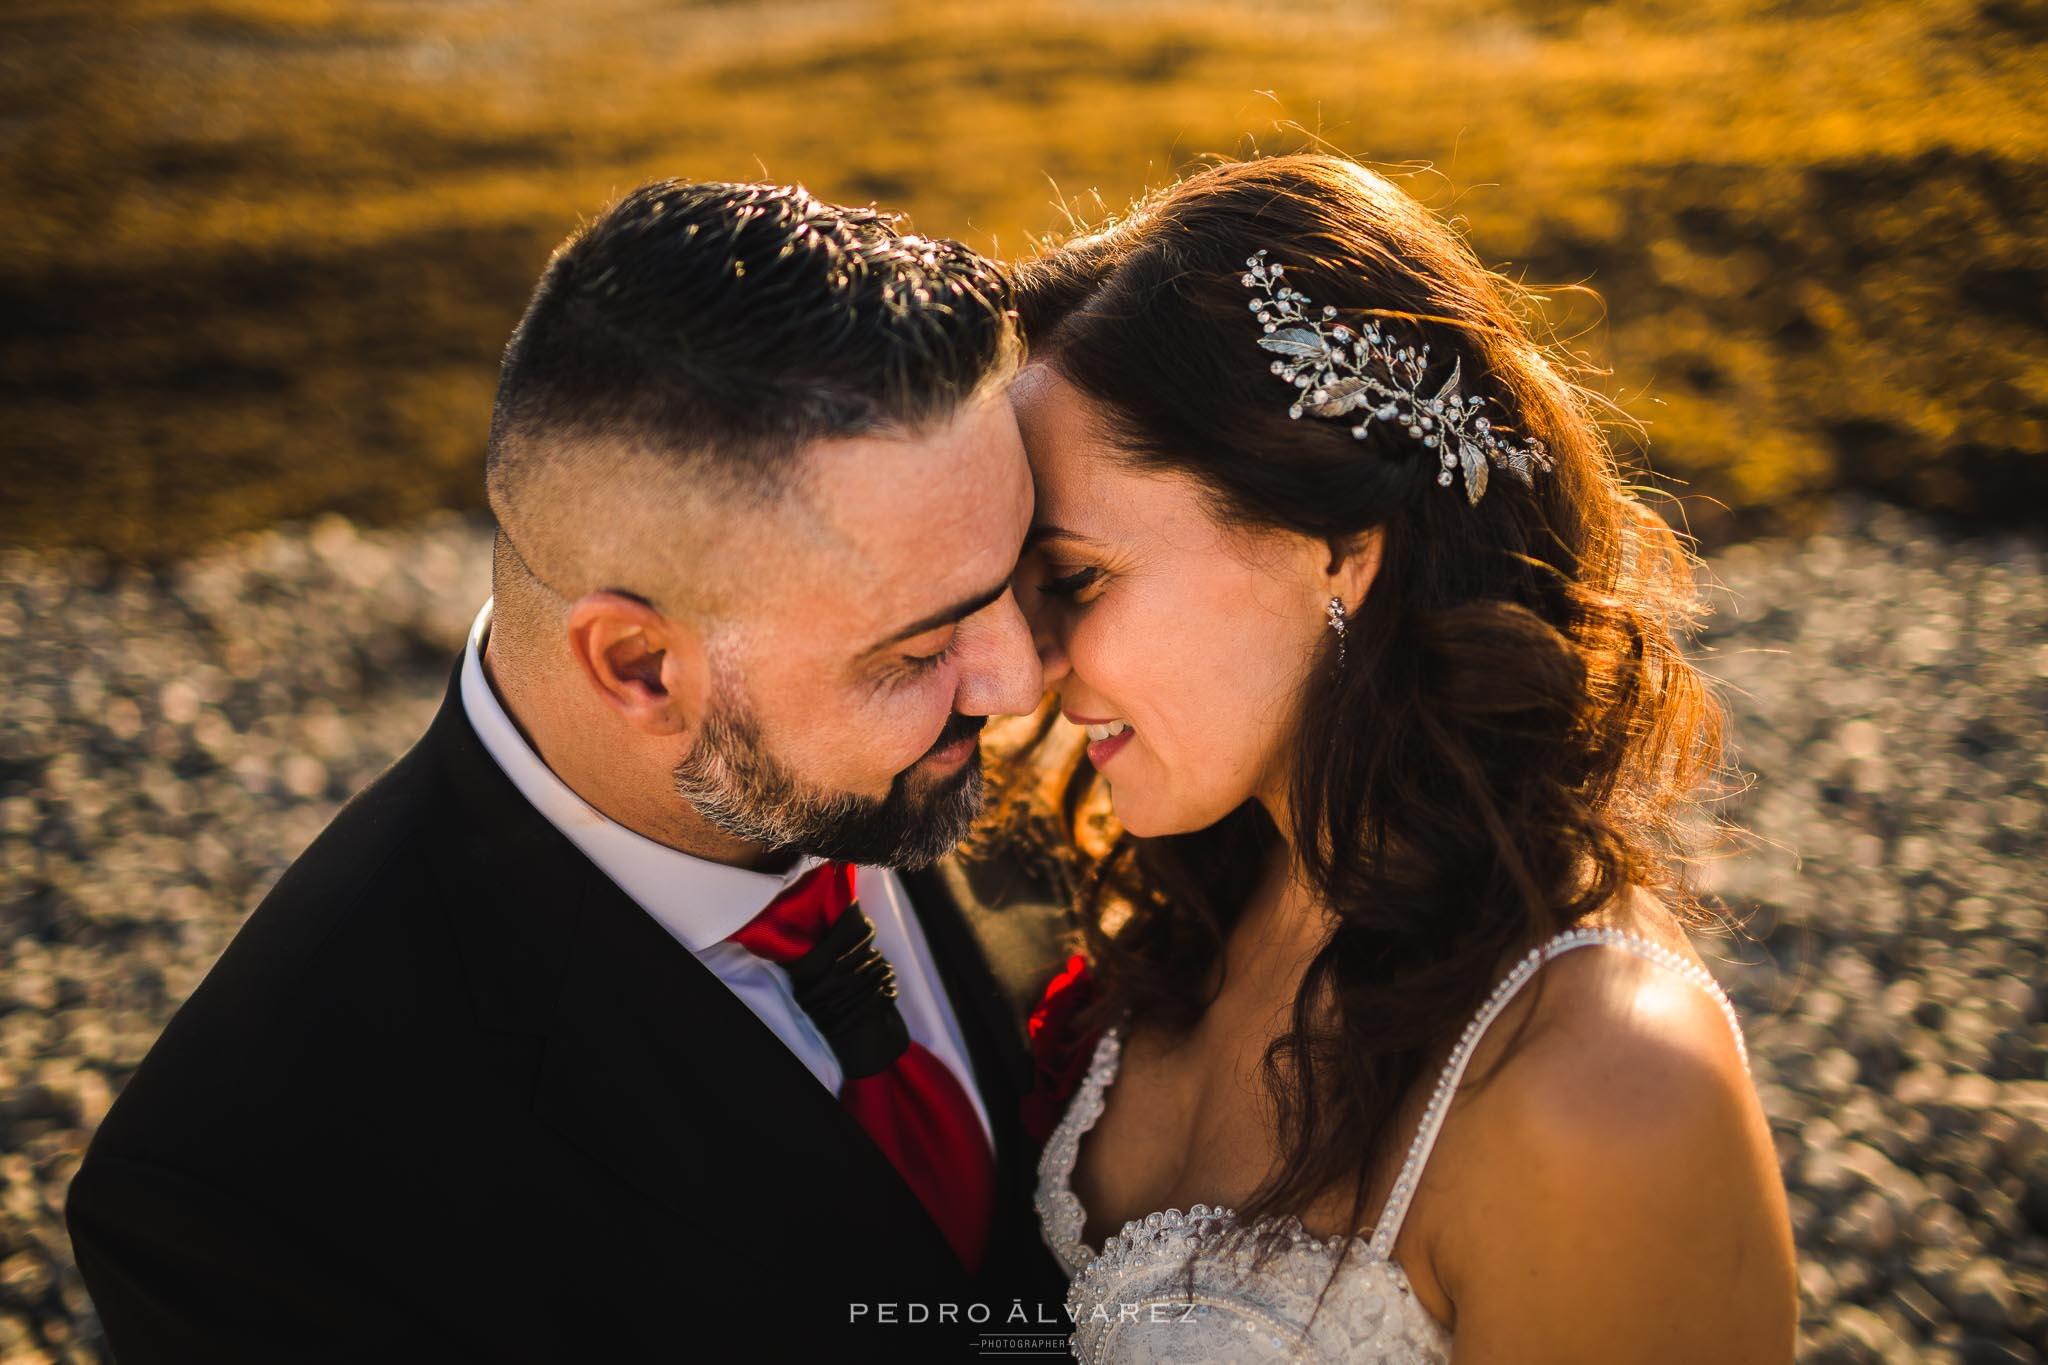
(1983, 1297)
(169, 740)
(1867, 1226)
(1858, 1335)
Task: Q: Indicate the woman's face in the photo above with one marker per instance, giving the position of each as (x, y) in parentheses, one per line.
(1150, 615)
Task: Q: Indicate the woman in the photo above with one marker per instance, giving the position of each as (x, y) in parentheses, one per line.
(1377, 660)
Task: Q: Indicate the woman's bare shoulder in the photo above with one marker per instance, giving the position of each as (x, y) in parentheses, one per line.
(1616, 1162)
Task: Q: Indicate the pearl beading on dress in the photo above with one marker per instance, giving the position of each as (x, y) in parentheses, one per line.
(1403, 1192)
(1238, 1308)
(1277, 1311)
(1237, 1311)
(1060, 1215)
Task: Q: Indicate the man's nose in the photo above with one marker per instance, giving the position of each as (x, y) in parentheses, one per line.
(1000, 674)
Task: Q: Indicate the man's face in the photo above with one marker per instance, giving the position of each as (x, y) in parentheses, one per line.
(880, 633)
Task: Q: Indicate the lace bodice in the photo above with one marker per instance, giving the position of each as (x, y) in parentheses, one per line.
(1130, 1301)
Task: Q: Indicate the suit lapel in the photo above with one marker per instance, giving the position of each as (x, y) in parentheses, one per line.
(992, 954)
(656, 1070)
(649, 1065)
(999, 939)
(994, 1042)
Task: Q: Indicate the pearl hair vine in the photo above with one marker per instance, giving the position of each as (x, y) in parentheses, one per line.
(1340, 371)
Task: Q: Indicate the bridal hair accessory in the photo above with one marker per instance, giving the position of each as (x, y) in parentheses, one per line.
(1334, 367)
(1335, 612)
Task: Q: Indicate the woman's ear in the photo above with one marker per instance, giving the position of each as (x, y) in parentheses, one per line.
(1354, 563)
(651, 669)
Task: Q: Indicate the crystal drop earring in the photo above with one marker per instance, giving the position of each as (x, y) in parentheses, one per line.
(1335, 613)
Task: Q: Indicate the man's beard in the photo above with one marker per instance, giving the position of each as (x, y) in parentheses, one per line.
(731, 780)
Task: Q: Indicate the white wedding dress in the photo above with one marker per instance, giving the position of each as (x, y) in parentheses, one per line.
(1129, 1301)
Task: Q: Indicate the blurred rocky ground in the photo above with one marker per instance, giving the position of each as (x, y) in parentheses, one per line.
(169, 740)
(1889, 689)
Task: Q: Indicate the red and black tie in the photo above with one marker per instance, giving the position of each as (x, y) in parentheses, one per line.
(913, 1107)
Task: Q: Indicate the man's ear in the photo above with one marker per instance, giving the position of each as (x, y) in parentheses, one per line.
(1354, 563)
(651, 669)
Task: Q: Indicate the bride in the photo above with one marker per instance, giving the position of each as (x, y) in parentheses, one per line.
(1390, 1045)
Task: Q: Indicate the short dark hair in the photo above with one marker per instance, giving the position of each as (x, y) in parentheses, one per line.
(739, 322)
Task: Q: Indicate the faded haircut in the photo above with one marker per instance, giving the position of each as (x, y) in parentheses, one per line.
(727, 326)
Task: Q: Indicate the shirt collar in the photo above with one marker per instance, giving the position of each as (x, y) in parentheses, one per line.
(698, 901)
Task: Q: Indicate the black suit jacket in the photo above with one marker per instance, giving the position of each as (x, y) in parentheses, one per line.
(450, 1094)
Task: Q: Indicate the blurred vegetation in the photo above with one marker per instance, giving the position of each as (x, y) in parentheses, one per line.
(258, 257)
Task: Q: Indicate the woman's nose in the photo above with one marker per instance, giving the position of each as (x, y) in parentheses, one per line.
(1051, 645)
(1042, 614)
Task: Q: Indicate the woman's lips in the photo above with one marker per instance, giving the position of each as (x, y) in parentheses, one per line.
(1103, 750)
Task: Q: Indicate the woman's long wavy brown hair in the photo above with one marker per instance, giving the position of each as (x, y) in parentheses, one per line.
(1514, 740)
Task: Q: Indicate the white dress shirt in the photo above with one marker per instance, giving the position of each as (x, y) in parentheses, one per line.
(700, 903)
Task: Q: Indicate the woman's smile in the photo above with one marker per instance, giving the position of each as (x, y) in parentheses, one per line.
(1106, 738)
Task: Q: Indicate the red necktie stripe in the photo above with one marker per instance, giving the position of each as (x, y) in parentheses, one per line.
(916, 1110)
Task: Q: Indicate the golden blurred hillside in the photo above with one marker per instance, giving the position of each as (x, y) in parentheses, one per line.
(258, 257)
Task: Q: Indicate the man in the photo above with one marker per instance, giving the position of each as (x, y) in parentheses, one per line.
(561, 1042)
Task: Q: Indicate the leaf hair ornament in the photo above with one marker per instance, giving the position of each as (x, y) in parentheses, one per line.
(1340, 371)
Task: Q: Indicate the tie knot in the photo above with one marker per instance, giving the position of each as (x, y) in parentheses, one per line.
(800, 914)
(841, 981)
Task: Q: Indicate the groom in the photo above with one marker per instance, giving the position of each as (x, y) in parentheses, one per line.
(599, 1027)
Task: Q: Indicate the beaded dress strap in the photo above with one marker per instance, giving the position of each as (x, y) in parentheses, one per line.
(1403, 1192)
